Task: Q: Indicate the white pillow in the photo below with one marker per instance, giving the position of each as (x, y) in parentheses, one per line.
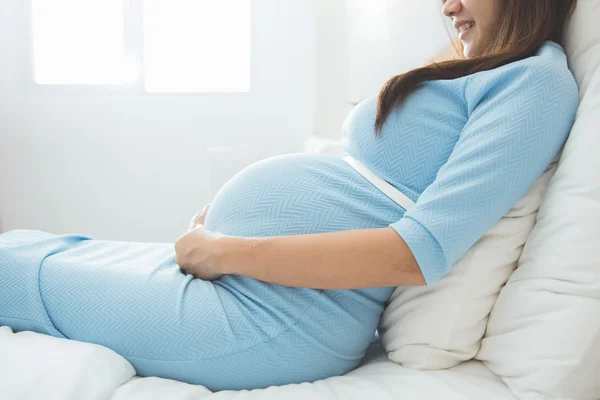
(440, 326)
(543, 336)
(36, 366)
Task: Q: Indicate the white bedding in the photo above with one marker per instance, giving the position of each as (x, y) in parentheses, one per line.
(34, 366)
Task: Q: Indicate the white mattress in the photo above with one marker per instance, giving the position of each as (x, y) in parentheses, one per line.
(34, 366)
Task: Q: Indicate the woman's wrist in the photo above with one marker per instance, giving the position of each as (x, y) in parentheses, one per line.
(229, 253)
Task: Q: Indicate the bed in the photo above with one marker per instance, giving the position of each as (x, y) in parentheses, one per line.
(35, 366)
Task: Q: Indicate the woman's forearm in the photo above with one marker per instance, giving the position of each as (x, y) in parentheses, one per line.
(338, 260)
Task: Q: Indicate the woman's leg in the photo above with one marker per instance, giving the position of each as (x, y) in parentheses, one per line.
(21, 254)
(134, 299)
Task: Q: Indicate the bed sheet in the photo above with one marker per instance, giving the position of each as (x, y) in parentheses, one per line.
(35, 366)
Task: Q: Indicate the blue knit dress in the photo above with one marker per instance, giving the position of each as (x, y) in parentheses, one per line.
(464, 150)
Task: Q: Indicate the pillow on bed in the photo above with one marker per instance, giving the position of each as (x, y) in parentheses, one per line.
(440, 326)
(543, 336)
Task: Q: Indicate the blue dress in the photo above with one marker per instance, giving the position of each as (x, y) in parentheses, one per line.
(465, 150)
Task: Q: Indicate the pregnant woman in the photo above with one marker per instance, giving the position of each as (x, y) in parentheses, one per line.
(285, 279)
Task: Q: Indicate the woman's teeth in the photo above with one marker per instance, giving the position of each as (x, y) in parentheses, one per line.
(465, 27)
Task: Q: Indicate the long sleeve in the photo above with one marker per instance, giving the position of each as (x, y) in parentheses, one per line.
(519, 118)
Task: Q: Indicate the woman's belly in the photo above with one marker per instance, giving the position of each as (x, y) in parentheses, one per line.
(299, 193)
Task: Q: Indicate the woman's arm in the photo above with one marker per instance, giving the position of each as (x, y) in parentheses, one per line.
(338, 260)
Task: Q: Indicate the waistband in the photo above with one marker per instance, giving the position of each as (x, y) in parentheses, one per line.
(400, 198)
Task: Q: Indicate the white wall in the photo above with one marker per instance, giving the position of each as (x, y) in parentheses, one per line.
(332, 57)
(363, 43)
(390, 37)
(126, 167)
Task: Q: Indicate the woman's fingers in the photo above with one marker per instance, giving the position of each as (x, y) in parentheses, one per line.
(198, 219)
(202, 216)
(192, 223)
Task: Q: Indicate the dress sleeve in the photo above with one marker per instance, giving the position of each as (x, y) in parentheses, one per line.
(519, 119)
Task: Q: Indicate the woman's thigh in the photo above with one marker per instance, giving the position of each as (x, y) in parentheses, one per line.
(134, 299)
(323, 342)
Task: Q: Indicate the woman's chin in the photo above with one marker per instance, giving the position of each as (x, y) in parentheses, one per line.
(468, 50)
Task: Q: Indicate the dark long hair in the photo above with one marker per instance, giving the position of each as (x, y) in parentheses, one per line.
(523, 28)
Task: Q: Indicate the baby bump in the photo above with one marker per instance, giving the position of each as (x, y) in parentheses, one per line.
(298, 194)
(302, 194)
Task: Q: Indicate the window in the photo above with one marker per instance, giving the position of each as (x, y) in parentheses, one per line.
(162, 46)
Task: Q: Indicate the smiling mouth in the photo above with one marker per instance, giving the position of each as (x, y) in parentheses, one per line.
(465, 27)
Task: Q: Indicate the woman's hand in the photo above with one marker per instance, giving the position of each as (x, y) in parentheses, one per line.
(199, 218)
(195, 252)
